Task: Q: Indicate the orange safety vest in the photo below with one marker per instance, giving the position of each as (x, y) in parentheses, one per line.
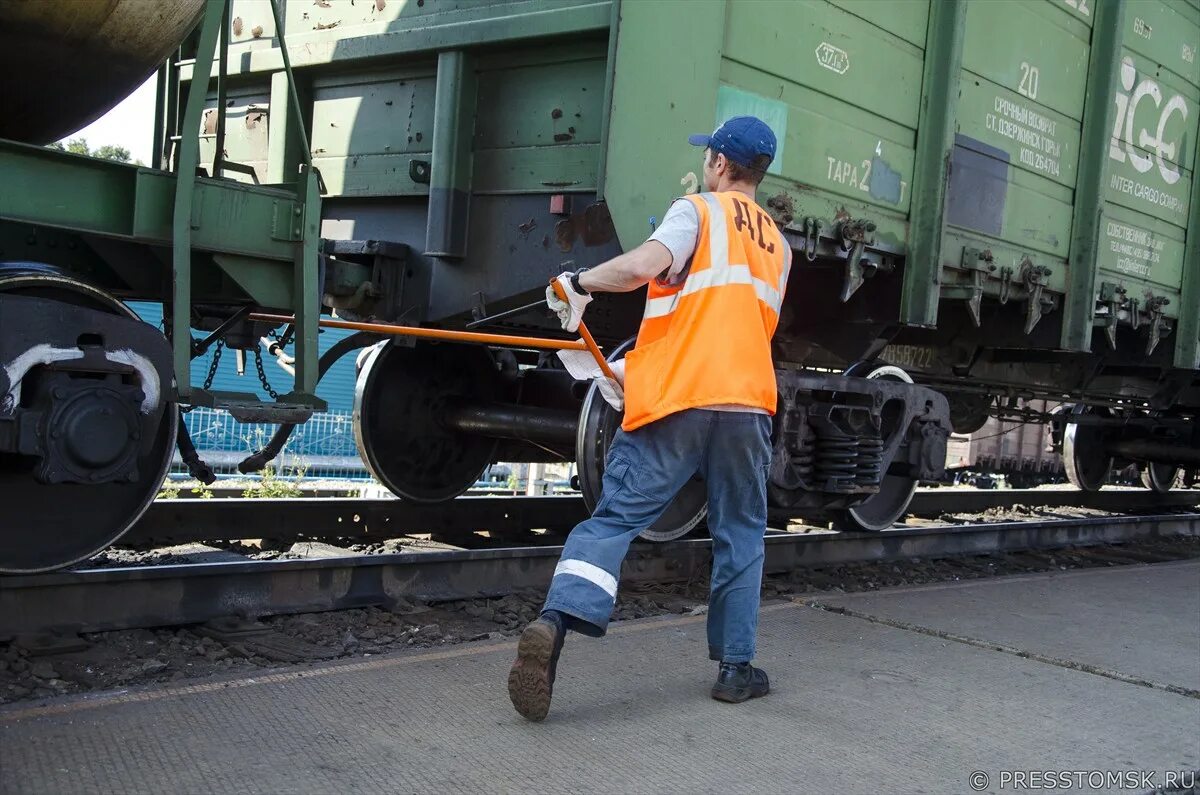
(707, 340)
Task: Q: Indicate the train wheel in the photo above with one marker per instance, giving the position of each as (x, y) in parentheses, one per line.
(1085, 456)
(1160, 478)
(103, 470)
(400, 400)
(887, 506)
(598, 424)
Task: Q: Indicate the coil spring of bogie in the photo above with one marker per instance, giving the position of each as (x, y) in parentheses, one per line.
(836, 462)
(804, 458)
(869, 467)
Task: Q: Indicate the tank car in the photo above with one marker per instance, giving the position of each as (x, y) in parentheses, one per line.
(990, 205)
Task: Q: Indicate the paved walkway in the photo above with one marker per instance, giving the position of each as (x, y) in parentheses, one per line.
(907, 690)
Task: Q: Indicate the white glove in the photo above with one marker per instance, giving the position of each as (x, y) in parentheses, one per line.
(569, 312)
(618, 368)
(612, 392)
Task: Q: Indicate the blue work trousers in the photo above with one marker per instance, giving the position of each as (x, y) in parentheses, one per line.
(731, 450)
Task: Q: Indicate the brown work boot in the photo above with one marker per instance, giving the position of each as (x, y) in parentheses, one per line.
(531, 680)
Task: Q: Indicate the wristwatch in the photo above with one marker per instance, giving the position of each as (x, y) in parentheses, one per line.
(575, 285)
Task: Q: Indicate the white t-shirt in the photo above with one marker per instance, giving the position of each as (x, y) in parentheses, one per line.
(679, 232)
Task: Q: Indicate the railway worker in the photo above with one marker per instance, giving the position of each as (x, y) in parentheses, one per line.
(699, 389)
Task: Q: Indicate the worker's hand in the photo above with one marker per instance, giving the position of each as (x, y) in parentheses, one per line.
(618, 368)
(569, 312)
(612, 392)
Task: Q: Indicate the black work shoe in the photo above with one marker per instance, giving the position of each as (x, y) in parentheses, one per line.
(737, 682)
(531, 680)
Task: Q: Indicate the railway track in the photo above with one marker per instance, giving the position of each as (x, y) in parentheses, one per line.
(90, 600)
(185, 521)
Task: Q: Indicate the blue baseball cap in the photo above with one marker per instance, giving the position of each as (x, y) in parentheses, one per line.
(741, 139)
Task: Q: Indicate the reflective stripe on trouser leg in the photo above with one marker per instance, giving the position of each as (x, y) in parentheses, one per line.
(593, 574)
(644, 471)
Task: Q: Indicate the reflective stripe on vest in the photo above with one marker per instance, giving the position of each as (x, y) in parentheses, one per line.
(720, 272)
(707, 340)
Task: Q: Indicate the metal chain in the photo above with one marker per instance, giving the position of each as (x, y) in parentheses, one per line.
(262, 376)
(212, 367)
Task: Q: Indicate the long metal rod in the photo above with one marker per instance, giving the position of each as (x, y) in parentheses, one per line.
(307, 292)
(484, 321)
(218, 163)
(592, 347)
(220, 331)
(293, 95)
(1158, 452)
(474, 337)
(185, 183)
(511, 421)
(160, 116)
(110, 599)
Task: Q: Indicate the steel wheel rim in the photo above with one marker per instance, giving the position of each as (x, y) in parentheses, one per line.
(597, 425)
(473, 454)
(158, 459)
(1083, 453)
(1160, 478)
(889, 505)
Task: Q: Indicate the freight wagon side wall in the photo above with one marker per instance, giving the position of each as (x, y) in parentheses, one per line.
(538, 121)
(1151, 163)
(809, 68)
(1014, 166)
(566, 142)
(1023, 145)
(848, 88)
(470, 131)
(839, 83)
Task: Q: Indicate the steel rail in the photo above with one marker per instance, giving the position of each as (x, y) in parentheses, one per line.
(125, 598)
(181, 521)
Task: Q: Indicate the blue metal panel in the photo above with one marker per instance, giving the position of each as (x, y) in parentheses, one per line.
(336, 388)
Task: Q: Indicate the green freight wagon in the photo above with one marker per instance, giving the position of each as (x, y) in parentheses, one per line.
(989, 202)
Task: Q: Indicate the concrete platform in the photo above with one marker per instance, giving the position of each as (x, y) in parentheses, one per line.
(911, 690)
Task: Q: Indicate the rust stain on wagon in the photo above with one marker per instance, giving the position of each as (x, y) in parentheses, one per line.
(782, 208)
(592, 227)
(254, 115)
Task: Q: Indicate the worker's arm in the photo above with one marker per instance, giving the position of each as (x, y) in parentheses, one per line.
(629, 271)
(664, 255)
